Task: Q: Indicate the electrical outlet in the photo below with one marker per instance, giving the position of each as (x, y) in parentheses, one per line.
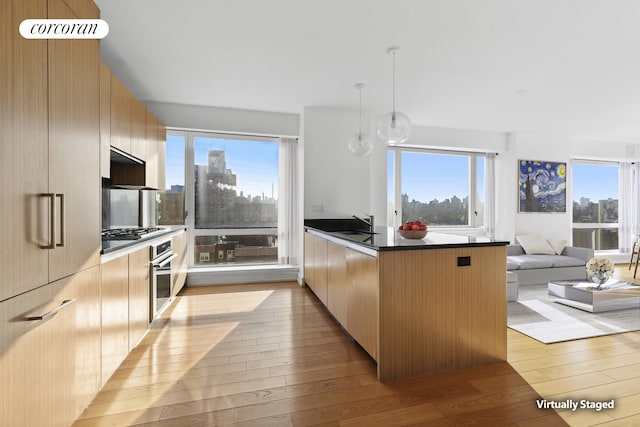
(317, 208)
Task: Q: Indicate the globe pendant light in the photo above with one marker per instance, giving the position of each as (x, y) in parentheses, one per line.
(394, 127)
(360, 144)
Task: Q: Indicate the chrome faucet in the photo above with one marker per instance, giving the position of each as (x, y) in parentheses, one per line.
(368, 221)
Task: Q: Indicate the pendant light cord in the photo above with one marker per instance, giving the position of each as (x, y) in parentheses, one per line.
(360, 114)
(393, 97)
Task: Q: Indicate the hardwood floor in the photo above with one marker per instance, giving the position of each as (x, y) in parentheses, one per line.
(270, 355)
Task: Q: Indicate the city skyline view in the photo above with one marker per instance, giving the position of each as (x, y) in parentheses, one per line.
(255, 163)
(255, 175)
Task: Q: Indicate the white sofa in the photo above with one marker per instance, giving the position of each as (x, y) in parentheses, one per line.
(542, 268)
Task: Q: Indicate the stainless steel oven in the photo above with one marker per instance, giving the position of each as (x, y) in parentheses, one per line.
(161, 275)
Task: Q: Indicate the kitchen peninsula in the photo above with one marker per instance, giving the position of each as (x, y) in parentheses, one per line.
(417, 307)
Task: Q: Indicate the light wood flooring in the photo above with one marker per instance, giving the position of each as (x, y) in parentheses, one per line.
(270, 355)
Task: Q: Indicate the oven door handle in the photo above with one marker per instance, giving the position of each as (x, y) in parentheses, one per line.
(164, 261)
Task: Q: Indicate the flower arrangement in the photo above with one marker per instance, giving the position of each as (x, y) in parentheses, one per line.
(599, 269)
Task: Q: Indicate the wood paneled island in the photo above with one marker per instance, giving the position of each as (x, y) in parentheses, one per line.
(416, 306)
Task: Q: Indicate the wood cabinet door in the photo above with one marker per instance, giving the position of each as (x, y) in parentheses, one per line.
(320, 269)
(179, 245)
(162, 156)
(138, 129)
(362, 297)
(24, 170)
(120, 115)
(337, 283)
(30, 352)
(309, 259)
(105, 121)
(81, 346)
(74, 149)
(151, 156)
(115, 315)
(139, 290)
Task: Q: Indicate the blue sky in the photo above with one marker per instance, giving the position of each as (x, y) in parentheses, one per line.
(597, 182)
(254, 163)
(424, 177)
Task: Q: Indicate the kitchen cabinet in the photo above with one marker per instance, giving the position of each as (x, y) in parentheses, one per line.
(139, 289)
(120, 115)
(346, 281)
(320, 269)
(74, 149)
(309, 260)
(49, 151)
(362, 300)
(416, 309)
(24, 147)
(156, 153)
(315, 265)
(51, 366)
(105, 121)
(139, 129)
(337, 282)
(162, 156)
(115, 315)
(179, 264)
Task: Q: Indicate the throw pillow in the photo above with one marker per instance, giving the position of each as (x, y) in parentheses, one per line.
(557, 245)
(535, 244)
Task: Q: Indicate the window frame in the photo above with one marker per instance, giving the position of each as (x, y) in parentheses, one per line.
(396, 209)
(595, 225)
(189, 188)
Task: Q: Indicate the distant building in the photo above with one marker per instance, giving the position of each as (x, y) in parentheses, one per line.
(218, 204)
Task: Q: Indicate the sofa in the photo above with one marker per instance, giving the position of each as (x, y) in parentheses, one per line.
(537, 263)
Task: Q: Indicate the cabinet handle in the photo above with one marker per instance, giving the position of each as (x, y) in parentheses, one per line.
(66, 303)
(52, 221)
(63, 220)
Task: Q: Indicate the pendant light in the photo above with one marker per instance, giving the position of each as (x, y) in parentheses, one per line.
(360, 144)
(394, 127)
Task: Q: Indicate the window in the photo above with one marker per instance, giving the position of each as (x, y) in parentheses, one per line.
(437, 187)
(170, 207)
(229, 198)
(595, 205)
(235, 199)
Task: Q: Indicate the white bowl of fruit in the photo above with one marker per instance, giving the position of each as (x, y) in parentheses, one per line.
(413, 230)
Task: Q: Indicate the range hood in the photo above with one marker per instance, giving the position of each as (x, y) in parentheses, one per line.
(127, 172)
(121, 157)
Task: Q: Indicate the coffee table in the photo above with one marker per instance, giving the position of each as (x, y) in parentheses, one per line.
(617, 295)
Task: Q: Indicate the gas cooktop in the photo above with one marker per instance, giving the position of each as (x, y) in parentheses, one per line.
(132, 233)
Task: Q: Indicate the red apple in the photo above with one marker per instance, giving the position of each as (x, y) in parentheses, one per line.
(415, 227)
(423, 227)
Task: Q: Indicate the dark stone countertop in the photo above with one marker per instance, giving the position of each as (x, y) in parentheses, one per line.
(388, 239)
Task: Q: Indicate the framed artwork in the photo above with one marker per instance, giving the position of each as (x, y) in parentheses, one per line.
(542, 186)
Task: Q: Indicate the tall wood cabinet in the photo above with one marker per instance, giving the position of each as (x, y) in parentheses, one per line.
(74, 149)
(49, 200)
(24, 151)
(49, 218)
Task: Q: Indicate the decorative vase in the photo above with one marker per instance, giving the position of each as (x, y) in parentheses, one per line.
(599, 278)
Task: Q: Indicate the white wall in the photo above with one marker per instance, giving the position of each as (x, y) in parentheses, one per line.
(225, 119)
(336, 183)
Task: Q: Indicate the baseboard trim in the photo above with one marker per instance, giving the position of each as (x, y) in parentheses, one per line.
(242, 274)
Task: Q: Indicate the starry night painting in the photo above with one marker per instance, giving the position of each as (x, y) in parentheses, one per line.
(543, 186)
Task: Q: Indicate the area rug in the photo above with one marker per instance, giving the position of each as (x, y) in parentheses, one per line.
(536, 315)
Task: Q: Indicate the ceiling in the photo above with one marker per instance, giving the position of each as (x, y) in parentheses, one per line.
(501, 65)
